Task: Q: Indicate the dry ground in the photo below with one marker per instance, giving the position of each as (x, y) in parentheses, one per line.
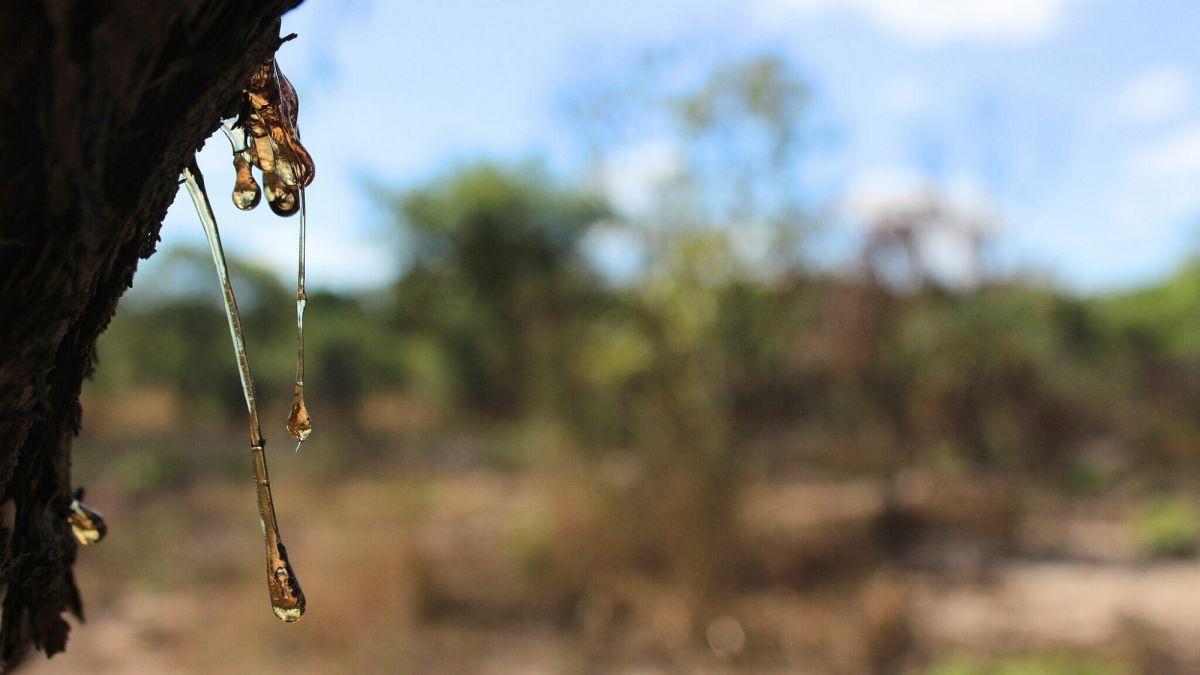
(436, 574)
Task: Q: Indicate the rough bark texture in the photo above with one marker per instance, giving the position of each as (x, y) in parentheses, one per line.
(101, 104)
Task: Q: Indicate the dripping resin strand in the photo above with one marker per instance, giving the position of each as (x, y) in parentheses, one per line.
(286, 133)
(299, 424)
(287, 599)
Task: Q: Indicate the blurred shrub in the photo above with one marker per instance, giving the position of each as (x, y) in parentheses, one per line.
(710, 354)
(1168, 527)
(496, 280)
(699, 357)
(1053, 664)
(146, 472)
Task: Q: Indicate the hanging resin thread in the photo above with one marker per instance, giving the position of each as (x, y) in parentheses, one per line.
(287, 599)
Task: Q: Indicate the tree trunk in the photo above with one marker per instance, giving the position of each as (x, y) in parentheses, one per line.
(101, 104)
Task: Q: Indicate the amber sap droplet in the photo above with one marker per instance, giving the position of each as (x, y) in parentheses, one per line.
(285, 168)
(246, 194)
(299, 171)
(288, 606)
(299, 425)
(281, 200)
(300, 165)
(273, 110)
(287, 598)
(86, 523)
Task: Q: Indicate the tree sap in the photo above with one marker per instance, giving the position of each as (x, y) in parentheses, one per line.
(287, 599)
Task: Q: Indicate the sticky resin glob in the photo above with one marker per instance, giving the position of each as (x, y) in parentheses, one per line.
(265, 136)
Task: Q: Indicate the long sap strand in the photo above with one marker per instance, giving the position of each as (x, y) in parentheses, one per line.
(287, 599)
(299, 424)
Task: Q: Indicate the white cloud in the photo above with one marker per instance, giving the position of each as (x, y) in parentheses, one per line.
(1155, 95)
(879, 190)
(1159, 185)
(1175, 155)
(941, 21)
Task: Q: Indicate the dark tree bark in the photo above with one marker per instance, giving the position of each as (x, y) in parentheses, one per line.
(101, 104)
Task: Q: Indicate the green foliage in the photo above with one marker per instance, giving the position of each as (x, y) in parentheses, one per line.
(702, 357)
(175, 333)
(1035, 664)
(530, 544)
(497, 281)
(140, 473)
(1168, 526)
(1162, 319)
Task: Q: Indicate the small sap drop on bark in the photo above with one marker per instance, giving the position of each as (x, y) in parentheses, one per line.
(87, 524)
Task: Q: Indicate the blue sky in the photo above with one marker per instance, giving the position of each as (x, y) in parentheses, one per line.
(1075, 123)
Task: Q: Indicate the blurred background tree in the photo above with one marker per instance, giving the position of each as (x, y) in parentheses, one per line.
(496, 280)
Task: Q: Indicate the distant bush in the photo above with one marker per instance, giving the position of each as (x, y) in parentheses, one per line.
(1168, 527)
